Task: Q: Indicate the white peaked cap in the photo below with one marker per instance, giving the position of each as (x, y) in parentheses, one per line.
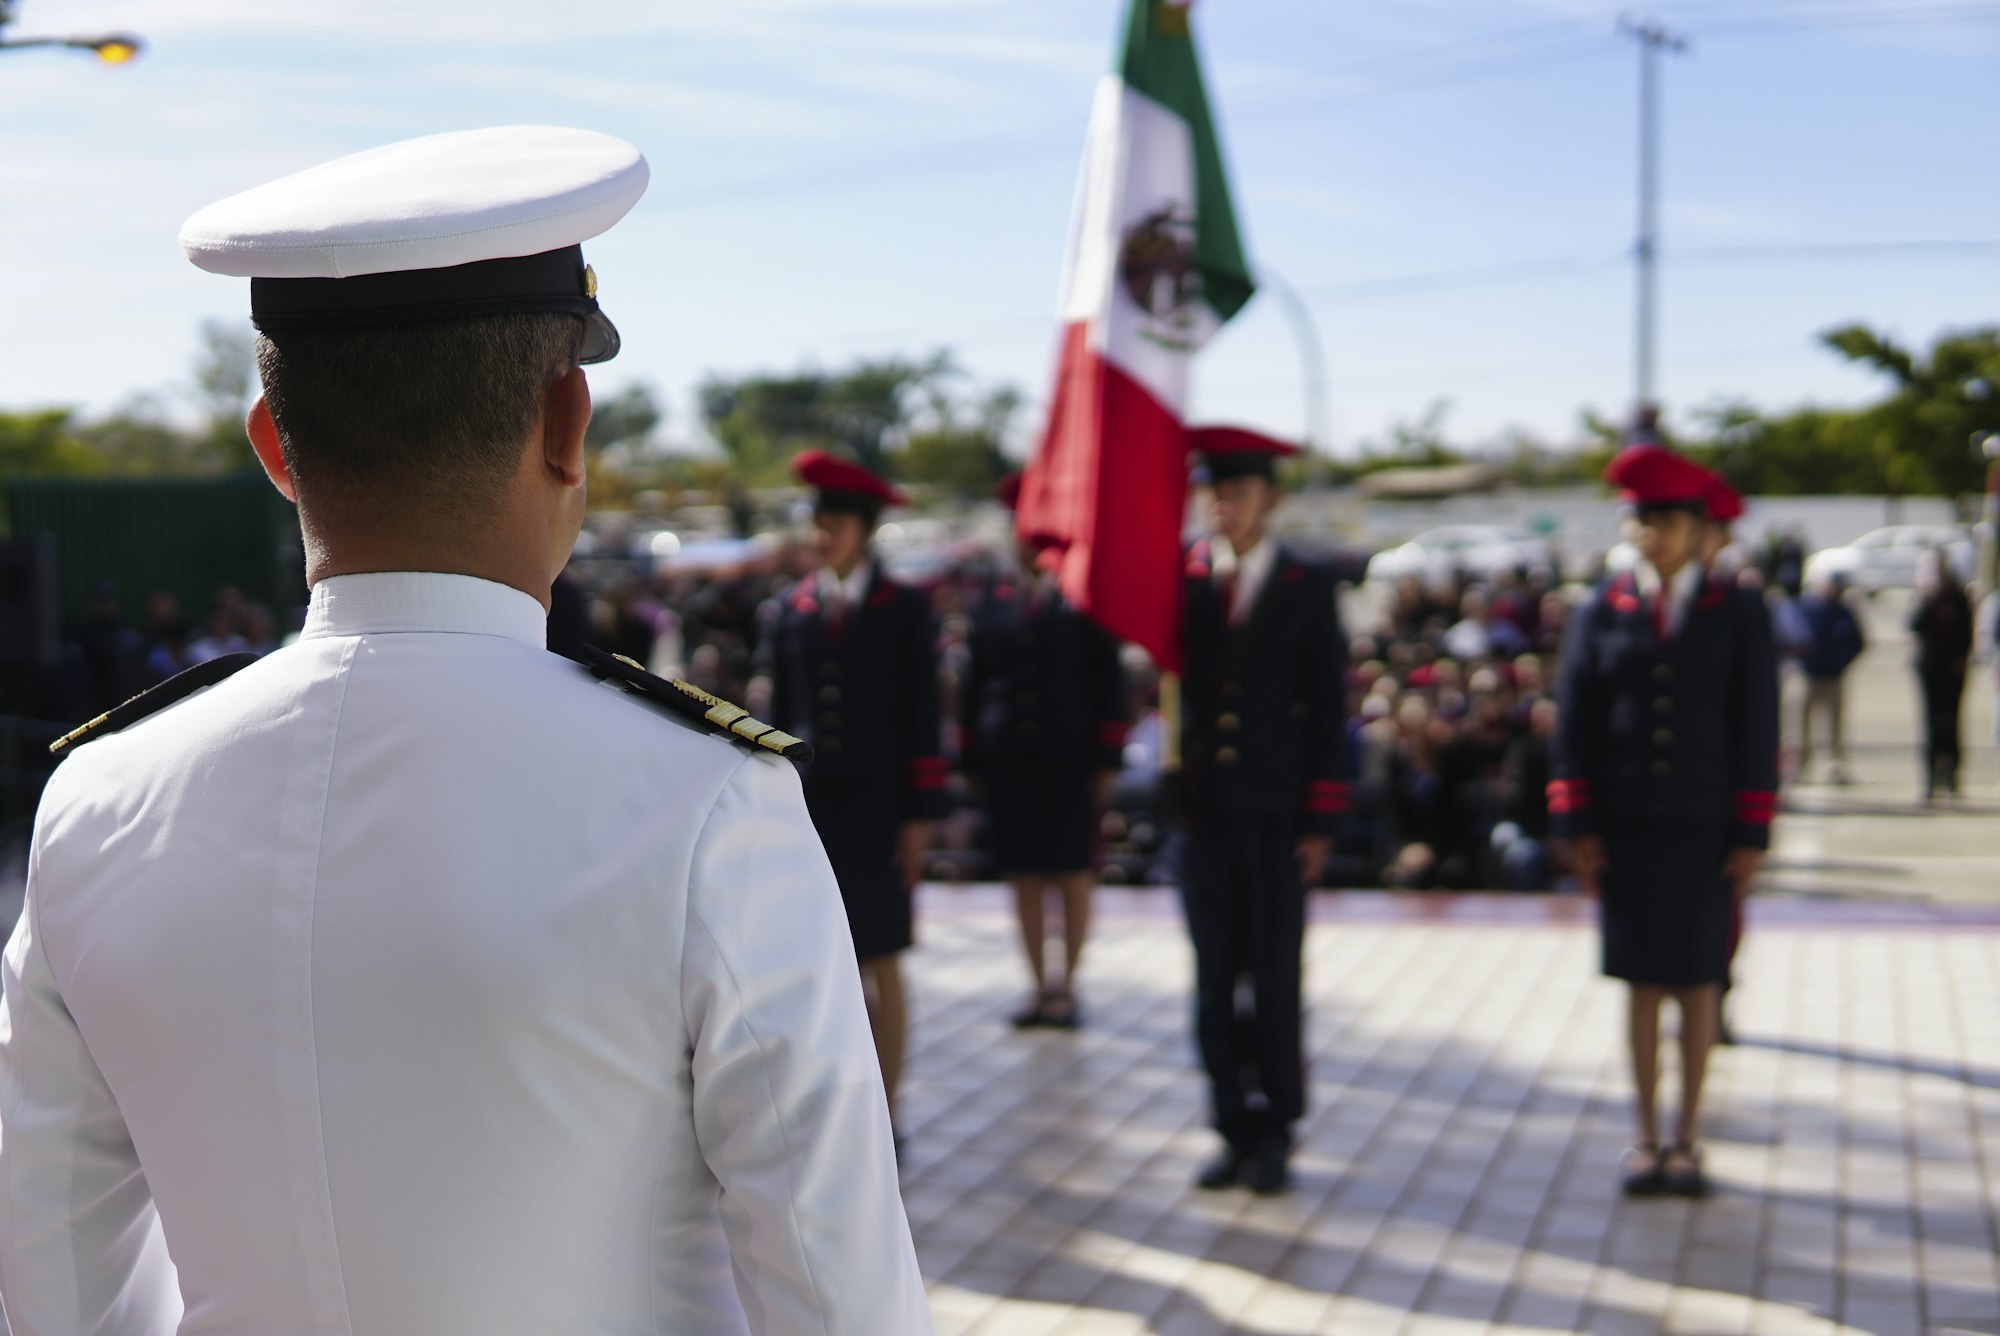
(379, 237)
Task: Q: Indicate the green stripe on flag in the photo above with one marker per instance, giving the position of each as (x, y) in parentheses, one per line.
(1159, 60)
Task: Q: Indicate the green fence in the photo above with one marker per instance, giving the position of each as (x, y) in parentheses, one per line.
(188, 535)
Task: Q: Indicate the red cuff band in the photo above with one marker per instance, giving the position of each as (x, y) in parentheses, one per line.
(1326, 798)
(1756, 807)
(928, 773)
(1568, 795)
(1112, 733)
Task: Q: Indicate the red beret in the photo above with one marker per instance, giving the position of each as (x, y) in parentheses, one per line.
(1725, 504)
(1233, 452)
(1653, 476)
(1008, 491)
(817, 468)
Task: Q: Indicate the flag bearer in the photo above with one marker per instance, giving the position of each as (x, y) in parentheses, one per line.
(1665, 778)
(1044, 716)
(1264, 751)
(853, 665)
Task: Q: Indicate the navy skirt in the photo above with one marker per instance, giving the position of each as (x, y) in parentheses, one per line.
(857, 822)
(1665, 901)
(1040, 822)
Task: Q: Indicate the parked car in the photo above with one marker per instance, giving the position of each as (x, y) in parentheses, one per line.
(1479, 550)
(1887, 558)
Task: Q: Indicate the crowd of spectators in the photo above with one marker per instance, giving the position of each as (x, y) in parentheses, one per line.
(1452, 710)
(107, 656)
(1451, 684)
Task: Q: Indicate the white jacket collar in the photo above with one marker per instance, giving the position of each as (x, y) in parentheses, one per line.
(390, 601)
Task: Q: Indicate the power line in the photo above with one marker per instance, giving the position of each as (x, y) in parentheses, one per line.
(1446, 63)
(1422, 282)
(1511, 271)
(1802, 17)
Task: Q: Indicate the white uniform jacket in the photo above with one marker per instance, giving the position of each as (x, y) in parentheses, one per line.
(411, 983)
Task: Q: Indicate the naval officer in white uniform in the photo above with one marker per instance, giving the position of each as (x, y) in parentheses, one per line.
(410, 981)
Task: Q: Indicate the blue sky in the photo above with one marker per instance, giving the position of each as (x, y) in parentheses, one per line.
(844, 178)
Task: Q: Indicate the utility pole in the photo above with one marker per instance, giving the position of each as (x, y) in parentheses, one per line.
(1653, 39)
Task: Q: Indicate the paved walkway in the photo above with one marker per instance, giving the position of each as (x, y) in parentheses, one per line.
(1872, 839)
(1458, 1170)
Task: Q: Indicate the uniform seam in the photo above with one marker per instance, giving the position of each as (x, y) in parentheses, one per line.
(784, 1138)
(687, 1042)
(312, 1024)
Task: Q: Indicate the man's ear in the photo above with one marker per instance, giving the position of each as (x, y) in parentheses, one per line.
(264, 440)
(565, 415)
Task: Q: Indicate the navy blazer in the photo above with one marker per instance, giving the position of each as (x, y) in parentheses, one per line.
(1044, 688)
(863, 690)
(1686, 728)
(1264, 703)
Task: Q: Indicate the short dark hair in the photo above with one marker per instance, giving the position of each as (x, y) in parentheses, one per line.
(436, 410)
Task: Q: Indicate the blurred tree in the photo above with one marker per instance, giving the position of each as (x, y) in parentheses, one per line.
(761, 421)
(138, 438)
(626, 420)
(225, 377)
(958, 448)
(43, 443)
(1422, 443)
(1923, 430)
(39, 444)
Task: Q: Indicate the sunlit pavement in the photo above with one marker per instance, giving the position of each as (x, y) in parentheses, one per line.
(1459, 1169)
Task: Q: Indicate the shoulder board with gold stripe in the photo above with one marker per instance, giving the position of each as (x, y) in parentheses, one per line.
(695, 705)
(151, 701)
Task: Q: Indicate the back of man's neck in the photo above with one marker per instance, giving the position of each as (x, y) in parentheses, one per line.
(516, 570)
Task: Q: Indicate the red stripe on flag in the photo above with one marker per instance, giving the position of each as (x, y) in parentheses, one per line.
(1108, 488)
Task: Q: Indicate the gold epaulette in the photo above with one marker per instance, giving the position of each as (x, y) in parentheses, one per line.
(154, 699)
(692, 703)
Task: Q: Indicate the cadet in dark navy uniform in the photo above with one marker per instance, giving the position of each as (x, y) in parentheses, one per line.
(1665, 784)
(1043, 714)
(853, 667)
(1722, 506)
(1263, 741)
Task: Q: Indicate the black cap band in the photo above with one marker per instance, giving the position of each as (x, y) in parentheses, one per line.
(1694, 506)
(554, 280)
(841, 501)
(1241, 464)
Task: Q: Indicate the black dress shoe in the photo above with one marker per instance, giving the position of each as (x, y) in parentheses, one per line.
(1060, 1012)
(1268, 1172)
(1642, 1174)
(1029, 1017)
(1224, 1171)
(1681, 1174)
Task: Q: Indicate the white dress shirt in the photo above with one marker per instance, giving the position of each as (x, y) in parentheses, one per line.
(1247, 572)
(1680, 591)
(411, 983)
(838, 595)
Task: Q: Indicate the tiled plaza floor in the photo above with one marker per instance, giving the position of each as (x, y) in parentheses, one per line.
(1458, 1171)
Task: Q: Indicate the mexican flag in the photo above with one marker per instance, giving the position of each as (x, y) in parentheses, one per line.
(1155, 267)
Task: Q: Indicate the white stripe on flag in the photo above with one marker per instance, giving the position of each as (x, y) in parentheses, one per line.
(1138, 165)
